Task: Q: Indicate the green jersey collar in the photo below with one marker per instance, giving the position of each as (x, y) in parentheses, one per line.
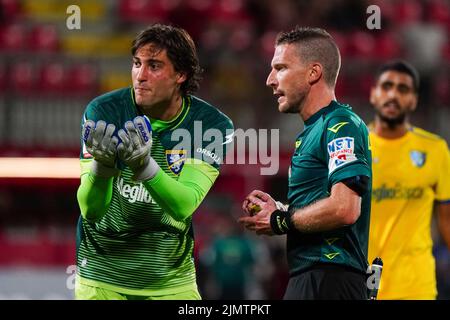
(159, 125)
(325, 110)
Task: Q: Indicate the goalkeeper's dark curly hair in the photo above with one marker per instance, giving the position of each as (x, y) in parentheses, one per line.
(180, 48)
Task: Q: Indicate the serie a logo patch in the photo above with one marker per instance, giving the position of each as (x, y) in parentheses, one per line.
(175, 160)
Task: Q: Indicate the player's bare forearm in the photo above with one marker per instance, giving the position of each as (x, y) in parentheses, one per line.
(444, 221)
(341, 208)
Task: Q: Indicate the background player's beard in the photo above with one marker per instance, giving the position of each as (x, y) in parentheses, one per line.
(392, 123)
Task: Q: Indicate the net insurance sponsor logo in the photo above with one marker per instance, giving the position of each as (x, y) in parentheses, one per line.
(341, 151)
(133, 193)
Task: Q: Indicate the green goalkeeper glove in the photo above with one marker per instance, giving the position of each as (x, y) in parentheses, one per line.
(101, 144)
(135, 148)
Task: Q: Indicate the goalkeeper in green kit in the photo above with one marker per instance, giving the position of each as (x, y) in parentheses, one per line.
(144, 172)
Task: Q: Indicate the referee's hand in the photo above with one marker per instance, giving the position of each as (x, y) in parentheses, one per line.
(259, 222)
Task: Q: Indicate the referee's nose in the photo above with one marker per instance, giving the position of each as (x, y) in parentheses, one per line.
(271, 79)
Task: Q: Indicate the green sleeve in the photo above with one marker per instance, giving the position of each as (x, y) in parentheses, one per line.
(347, 145)
(94, 193)
(181, 197)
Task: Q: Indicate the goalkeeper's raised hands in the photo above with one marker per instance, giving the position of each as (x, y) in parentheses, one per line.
(101, 144)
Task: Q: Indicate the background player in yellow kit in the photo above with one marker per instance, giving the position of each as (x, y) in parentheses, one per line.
(411, 172)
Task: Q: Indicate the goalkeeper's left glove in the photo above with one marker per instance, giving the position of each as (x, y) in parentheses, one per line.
(135, 148)
(101, 144)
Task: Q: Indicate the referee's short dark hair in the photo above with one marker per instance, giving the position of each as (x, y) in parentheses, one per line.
(180, 48)
(402, 67)
(315, 44)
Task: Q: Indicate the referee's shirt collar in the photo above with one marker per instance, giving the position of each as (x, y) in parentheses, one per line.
(333, 104)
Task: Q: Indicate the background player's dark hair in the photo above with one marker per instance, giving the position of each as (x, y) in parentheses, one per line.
(403, 67)
(315, 45)
(180, 48)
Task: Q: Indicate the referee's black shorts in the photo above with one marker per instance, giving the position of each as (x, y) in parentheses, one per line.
(327, 282)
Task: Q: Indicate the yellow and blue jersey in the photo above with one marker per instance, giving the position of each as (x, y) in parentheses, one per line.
(409, 175)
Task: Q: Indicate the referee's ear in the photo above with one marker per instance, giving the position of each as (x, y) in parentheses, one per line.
(315, 73)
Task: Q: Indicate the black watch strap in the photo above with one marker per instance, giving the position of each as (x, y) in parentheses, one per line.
(280, 222)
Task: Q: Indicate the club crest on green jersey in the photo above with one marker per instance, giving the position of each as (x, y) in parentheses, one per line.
(175, 160)
(418, 158)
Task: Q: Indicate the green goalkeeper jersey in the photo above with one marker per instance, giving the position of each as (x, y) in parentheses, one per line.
(333, 146)
(138, 247)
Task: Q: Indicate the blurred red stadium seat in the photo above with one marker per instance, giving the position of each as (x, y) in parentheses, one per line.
(343, 87)
(364, 82)
(446, 51)
(267, 41)
(229, 12)
(3, 78)
(13, 37)
(82, 79)
(10, 9)
(439, 11)
(387, 46)
(341, 41)
(22, 77)
(44, 38)
(141, 11)
(441, 89)
(407, 11)
(241, 37)
(361, 45)
(232, 184)
(190, 14)
(52, 78)
(38, 250)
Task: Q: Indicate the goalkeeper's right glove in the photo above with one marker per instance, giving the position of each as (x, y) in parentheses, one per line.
(101, 144)
(135, 148)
